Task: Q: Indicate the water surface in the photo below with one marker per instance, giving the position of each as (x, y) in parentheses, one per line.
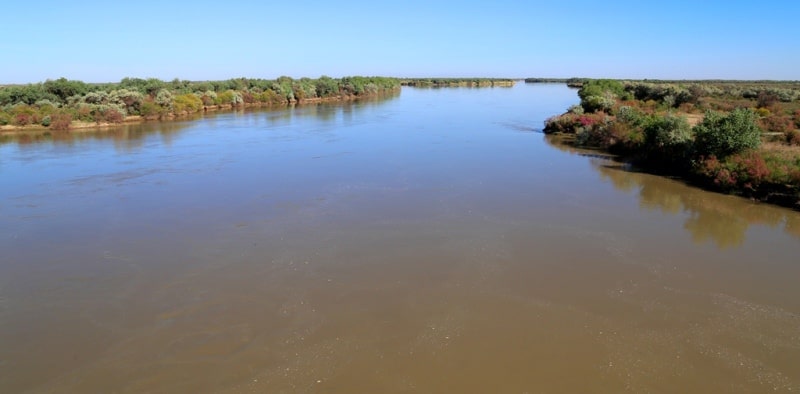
(429, 242)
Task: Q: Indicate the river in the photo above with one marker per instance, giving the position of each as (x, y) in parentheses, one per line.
(434, 241)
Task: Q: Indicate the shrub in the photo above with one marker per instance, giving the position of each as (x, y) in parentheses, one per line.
(113, 115)
(270, 96)
(763, 112)
(663, 132)
(46, 120)
(667, 142)
(625, 138)
(565, 123)
(576, 109)
(326, 86)
(793, 137)
(601, 87)
(593, 130)
(724, 135)
(22, 119)
(236, 98)
(750, 169)
(187, 102)
(208, 97)
(715, 171)
(777, 123)
(61, 121)
(150, 108)
(629, 115)
(96, 98)
(766, 99)
(598, 103)
(164, 98)
(131, 100)
(225, 97)
(84, 113)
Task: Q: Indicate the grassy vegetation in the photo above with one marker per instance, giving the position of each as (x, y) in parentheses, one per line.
(737, 137)
(457, 82)
(56, 104)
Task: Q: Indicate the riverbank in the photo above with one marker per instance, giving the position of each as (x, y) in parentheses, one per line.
(82, 126)
(63, 105)
(745, 142)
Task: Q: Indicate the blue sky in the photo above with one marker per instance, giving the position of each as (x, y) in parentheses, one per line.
(105, 41)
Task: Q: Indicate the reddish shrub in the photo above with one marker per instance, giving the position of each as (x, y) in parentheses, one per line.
(725, 178)
(751, 169)
(776, 123)
(248, 97)
(565, 123)
(587, 120)
(22, 119)
(111, 115)
(60, 121)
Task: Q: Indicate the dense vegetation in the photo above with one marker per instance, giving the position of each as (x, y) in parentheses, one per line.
(737, 137)
(55, 104)
(571, 82)
(457, 82)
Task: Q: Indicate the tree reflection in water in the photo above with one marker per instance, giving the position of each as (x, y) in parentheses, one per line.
(717, 218)
(712, 217)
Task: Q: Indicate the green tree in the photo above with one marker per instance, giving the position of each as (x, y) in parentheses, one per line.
(63, 88)
(724, 135)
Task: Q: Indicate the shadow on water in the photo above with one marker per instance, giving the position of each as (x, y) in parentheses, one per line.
(712, 217)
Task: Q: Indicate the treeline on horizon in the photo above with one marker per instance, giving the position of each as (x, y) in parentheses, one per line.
(56, 103)
(578, 82)
(457, 82)
(740, 137)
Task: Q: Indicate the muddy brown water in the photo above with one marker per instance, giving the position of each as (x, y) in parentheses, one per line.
(429, 242)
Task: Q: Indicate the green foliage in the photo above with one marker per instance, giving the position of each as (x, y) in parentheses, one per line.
(225, 97)
(575, 109)
(187, 103)
(46, 120)
(630, 115)
(208, 97)
(601, 94)
(27, 94)
(667, 132)
(100, 97)
(598, 103)
(599, 87)
(111, 102)
(230, 97)
(164, 98)
(63, 88)
(131, 100)
(724, 135)
(236, 98)
(326, 86)
(667, 142)
(149, 108)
